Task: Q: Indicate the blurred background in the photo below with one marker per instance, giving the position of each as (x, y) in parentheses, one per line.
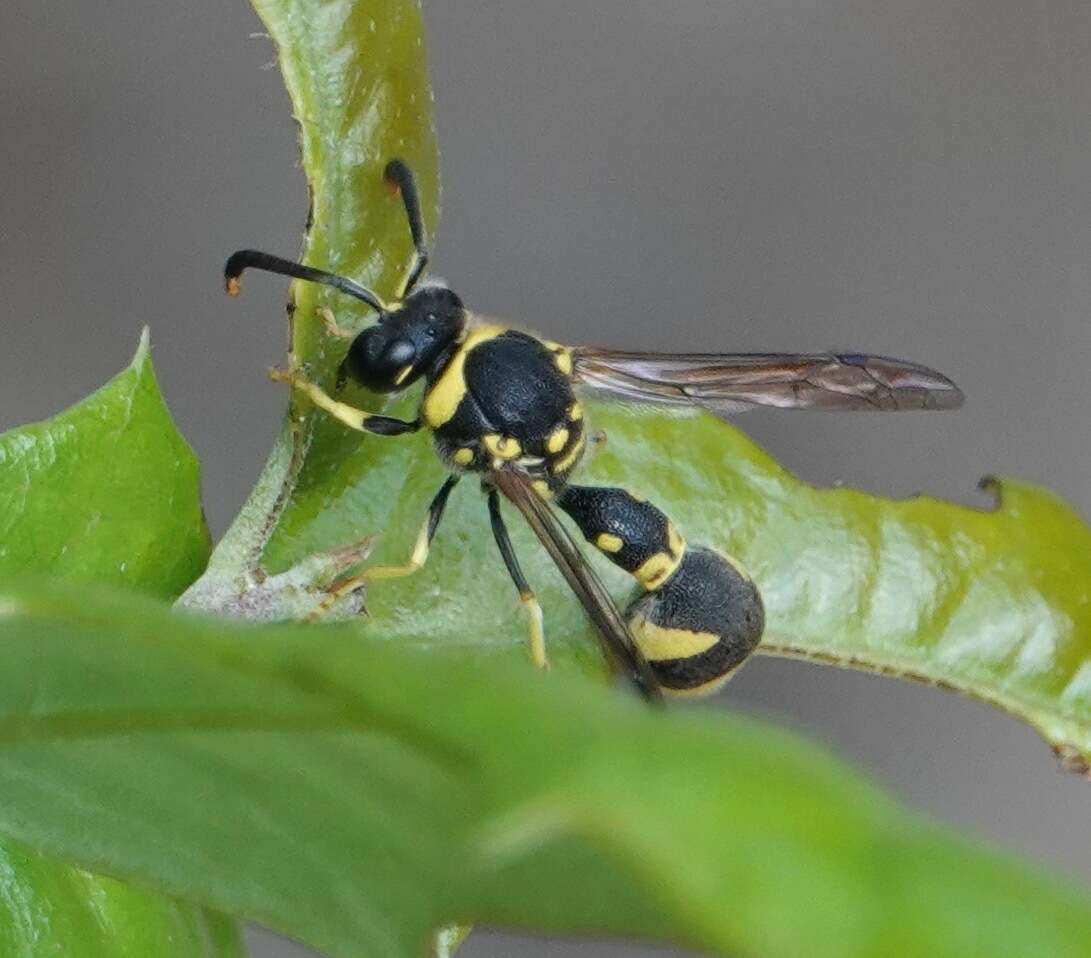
(911, 177)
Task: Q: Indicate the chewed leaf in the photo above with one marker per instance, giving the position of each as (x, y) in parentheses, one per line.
(992, 601)
(988, 601)
(107, 491)
(358, 795)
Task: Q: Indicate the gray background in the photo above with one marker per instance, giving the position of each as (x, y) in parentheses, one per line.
(903, 176)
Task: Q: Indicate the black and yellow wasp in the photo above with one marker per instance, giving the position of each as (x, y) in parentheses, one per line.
(502, 403)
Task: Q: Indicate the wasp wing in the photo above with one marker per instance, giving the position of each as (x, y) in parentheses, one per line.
(725, 383)
(609, 623)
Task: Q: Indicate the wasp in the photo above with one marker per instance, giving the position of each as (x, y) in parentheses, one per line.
(504, 404)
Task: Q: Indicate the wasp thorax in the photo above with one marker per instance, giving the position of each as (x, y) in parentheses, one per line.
(406, 342)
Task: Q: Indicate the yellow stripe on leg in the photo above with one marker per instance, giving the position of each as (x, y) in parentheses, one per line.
(349, 415)
(537, 630)
(416, 560)
(350, 585)
(330, 322)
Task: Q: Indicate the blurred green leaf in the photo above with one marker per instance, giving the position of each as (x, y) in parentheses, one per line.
(358, 795)
(106, 492)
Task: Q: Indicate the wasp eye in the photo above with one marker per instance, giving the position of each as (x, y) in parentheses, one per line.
(398, 353)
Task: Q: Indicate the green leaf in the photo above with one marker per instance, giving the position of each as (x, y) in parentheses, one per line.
(993, 602)
(358, 795)
(47, 909)
(356, 73)
(107, 492)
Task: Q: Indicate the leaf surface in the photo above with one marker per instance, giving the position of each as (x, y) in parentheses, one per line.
(992, 601)
(356, 794)
(356, 74)
(106, 492)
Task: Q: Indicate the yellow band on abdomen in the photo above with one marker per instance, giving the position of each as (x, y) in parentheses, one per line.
(659, 643)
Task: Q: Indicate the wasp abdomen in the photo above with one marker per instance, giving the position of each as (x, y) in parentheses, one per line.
(630, 532)
(700, 625)
(700, 615)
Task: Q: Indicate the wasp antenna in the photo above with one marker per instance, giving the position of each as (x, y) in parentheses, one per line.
(244, 259)
(400, 179)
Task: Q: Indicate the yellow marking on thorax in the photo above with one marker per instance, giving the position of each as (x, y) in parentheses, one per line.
(502, 447)
(562, 355)
(608, 542)
(557, 440)
(575, 412)
(442, 398)
(541, 487)
(659, 643)
(569, 459)
(463, 456)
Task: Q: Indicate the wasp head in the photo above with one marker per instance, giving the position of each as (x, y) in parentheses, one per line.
(406, 342)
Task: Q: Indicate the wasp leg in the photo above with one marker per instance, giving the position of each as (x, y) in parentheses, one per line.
(330, 322)
(700, 615)
(349, 415)
(416, 560)
(526, 595)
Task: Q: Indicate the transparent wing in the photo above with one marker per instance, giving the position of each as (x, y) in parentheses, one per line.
(621, 648)
(725, 383)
